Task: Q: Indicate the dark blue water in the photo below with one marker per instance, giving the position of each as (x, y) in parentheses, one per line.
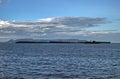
(60, 61)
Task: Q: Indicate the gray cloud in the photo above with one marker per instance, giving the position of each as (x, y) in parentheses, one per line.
(66, 21)
(2, 2)
(59, 27)
(79, 21)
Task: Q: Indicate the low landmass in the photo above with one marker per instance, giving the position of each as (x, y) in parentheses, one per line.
(59, 41)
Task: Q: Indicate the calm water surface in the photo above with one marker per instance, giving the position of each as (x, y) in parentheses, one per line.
(60, 61)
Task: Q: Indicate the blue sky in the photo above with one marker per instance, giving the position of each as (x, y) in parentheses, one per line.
(35, 9)
(15, 14)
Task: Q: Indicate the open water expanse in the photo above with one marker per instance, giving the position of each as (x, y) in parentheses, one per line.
(59, 61)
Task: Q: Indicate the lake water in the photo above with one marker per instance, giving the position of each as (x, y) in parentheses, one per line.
(60, 61)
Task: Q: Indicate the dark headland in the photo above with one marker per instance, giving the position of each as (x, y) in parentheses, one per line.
(59, 41)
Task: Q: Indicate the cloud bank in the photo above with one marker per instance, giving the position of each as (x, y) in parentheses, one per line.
(58, 27)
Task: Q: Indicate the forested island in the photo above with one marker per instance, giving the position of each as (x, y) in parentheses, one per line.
(59, 41)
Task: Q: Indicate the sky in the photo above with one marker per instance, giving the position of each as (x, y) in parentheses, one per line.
(60, 19)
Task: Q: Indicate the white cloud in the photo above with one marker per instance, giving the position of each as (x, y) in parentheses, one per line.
(46, 20)
(99, 32)
(82, 33)
(4, 23)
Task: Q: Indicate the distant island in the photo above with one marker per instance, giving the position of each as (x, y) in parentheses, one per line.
(59, 41)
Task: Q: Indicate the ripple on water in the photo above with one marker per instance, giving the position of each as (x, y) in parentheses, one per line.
(59, 61)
